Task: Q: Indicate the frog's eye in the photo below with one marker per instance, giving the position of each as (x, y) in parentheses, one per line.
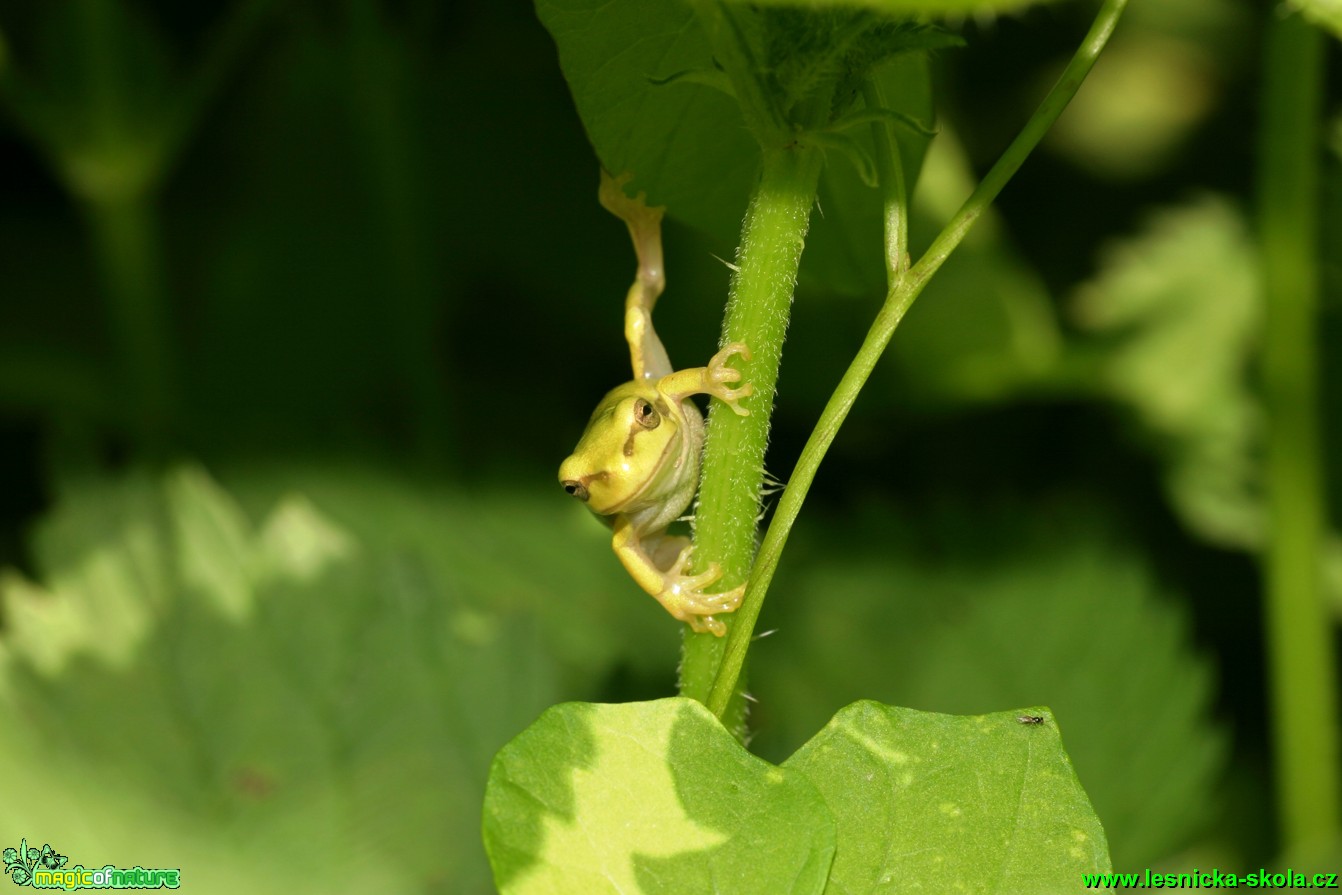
(646, 415)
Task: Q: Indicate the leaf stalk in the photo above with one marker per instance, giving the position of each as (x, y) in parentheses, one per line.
(904, 288)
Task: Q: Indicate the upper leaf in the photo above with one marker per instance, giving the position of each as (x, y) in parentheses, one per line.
(686, 144)
(655, 104)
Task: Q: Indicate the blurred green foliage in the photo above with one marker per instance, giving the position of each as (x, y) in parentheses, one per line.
(348, 257)
(308, 697)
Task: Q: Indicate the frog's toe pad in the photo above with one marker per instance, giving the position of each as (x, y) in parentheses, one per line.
(731, 397)
(698, 610)
(719, 374)
(718, 363)
(684, 598)
(706, 624)
(727, 601)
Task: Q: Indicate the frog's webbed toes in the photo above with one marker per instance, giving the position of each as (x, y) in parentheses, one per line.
(699, 611)
(683, 596)
(727, 601)
(706, 624)
(685, 586)
(730, 397)
(719, 374)
(719, 360)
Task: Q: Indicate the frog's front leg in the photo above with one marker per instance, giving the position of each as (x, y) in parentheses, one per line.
(714, 379)
(680, 594)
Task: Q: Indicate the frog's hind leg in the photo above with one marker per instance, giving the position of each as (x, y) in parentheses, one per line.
(681, 594)
(646, 352)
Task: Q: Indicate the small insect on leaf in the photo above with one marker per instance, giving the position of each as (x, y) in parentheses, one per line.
(1031, 719)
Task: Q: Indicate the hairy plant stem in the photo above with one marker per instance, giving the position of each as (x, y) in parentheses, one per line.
(1299, 636)
(904, 289)
(758, 307)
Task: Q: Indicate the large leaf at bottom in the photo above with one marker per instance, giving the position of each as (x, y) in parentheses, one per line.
(970, 612)
(983, 805)
(650, 798)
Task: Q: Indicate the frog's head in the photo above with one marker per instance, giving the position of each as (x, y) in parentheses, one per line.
(631, 454)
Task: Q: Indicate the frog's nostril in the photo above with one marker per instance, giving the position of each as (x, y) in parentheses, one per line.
(576, 489)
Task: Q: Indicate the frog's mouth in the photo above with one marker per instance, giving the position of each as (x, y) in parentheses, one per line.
(648, 492)
(668, 467)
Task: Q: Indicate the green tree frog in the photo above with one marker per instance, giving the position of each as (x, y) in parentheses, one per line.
(637, 463)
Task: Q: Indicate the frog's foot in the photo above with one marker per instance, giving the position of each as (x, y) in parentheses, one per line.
(682, 595)
(719, 375)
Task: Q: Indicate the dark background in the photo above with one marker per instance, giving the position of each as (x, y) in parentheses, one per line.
(376, 237)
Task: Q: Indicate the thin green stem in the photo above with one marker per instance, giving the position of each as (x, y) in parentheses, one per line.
(871, 114)
(904, 290)
(1302, 665)
(733, 470)
(114, 181)
(1038, 125)
(124, 230)
(895, 197)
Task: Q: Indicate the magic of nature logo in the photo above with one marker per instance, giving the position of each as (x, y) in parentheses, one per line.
(45, 868)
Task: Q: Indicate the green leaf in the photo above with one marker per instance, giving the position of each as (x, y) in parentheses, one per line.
(306, 702)
(845, 249)
(942, 803)
(967, 612)
(653, 797)
(1176, 313)
(909, 7)
(516, 551)
(1324, 13)
(640, 74)
(1178, 307)
(685, 143)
